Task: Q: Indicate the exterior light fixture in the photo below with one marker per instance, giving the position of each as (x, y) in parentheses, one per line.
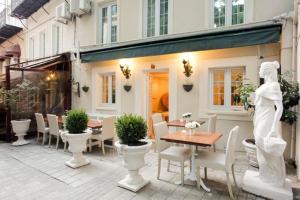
(187, 72)
(127, 73)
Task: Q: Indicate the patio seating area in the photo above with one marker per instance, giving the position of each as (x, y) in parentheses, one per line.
(39, 172)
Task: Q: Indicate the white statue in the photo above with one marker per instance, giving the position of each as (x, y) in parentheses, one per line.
(266, 126)
(270, 181)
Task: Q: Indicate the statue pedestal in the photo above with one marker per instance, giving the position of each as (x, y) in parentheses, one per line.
(252, 184)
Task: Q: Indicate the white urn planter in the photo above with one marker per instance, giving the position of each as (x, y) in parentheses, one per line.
(250, 148)
(133, 160)
(77, 144)
(20, 128)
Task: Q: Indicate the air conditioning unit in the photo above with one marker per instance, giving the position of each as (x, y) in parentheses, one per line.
(80, 7)
(63, 13)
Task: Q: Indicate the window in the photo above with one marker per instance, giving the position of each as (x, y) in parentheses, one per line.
(157, 17)
(31, 48)
(109, 23)
(108, 88)
(228, 12)
(42, 44)
(55, 39)
(238, 7)
(224, 85)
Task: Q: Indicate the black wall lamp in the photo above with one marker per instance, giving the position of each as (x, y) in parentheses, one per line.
(127, 73)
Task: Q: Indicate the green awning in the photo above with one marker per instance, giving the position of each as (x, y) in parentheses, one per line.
(237, 36)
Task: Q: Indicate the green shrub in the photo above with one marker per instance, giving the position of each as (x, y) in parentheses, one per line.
(76, 121)
(131, 129)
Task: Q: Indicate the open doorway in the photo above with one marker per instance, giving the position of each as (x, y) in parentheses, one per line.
(158, 101)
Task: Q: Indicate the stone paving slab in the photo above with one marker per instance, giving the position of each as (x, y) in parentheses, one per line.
(35, 172)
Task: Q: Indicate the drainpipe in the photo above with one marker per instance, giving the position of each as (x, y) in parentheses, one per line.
(292, 158)
(296, 67)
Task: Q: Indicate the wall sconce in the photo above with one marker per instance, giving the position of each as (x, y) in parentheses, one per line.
(127, 73)
(51, 76)
(76, 87)
(187, 72)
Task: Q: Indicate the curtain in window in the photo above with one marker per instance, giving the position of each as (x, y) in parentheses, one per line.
(218, 87)
(151, 18)
(114, 21)
(104, 25)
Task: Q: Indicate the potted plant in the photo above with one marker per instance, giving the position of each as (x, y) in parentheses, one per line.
(132, 130)
(76, 135)
(191, 126)
(21, 101)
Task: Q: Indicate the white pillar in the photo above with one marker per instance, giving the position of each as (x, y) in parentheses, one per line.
(298, 109)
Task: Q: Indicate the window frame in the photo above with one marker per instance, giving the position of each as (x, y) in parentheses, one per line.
(110, 90)
(228, 13)
(157, 18)
(56, 39)
(227, 88)
(99, 22)
(42, 44)
(31, 44)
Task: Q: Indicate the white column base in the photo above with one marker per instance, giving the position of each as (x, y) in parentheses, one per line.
(77, 161)
(20, 141)
(133, 181)
(134, 188)
(252, 184)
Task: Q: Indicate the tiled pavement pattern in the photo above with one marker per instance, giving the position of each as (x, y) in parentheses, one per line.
(35, 172)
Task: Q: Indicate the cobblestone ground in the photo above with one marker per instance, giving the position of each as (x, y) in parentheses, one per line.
(37, 172)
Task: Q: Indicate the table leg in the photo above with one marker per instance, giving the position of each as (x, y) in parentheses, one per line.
(192, 175)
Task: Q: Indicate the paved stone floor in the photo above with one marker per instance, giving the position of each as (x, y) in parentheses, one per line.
(35, 172)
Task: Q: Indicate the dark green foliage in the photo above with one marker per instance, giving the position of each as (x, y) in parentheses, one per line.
(76, 121)
(131, 129)
(290, 98)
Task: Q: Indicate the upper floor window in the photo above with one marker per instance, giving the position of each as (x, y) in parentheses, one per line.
(224, 83)
(55, 39)
(228, 12)
(31, 48)
(42, 44)
(109, 23)
(157, 17)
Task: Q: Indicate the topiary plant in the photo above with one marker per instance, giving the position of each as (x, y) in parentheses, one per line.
(76, 121)
(131, 129)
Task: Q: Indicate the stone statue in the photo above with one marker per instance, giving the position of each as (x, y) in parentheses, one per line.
(266, 124)
(270, 181)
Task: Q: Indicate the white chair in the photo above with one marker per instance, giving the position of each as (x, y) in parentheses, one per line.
(53, 129)
(107, 133)
(156, 118)
(64, 118)
(220, 161)
(212, 126)
(41, 127)
(167, 151)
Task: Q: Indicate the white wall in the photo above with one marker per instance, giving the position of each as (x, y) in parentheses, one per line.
(195, 101)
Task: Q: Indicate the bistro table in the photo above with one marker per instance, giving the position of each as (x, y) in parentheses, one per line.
(92, 123)
(196, 139)
(181, 123)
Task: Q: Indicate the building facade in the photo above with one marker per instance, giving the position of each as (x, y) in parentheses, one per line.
(115, 24)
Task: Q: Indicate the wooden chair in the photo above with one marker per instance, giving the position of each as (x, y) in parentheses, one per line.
(220, 161)
(167, 151)
(107, 133)
(41, 127)
(53, 129)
